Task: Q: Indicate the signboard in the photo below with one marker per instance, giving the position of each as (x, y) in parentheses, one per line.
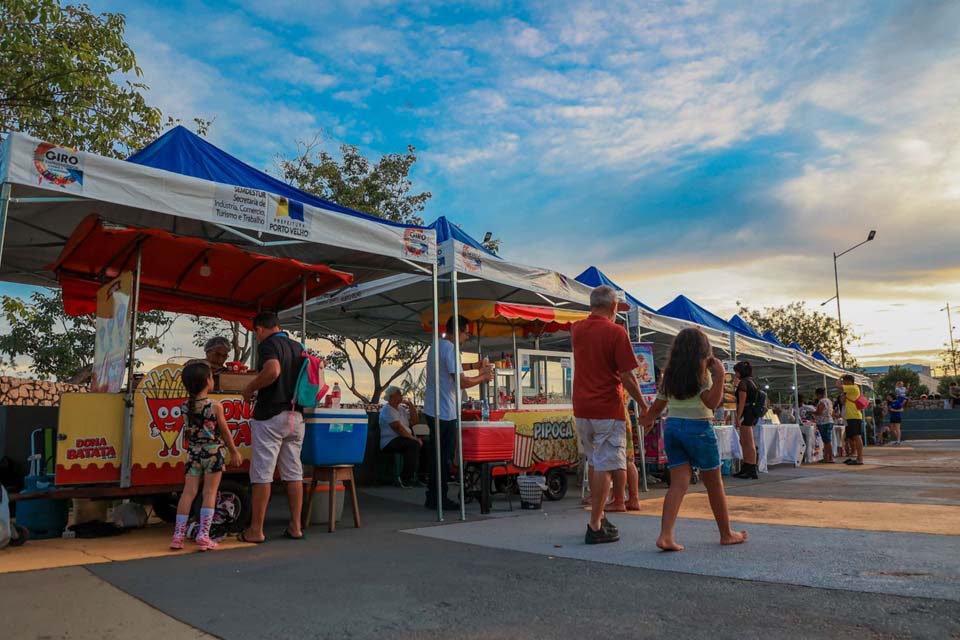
(543, 436)
(112, 340)
(645, 371)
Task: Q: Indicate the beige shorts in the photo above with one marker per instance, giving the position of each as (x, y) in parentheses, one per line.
(604, 442)
(276, 444)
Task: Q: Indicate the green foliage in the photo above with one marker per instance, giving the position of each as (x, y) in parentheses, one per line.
(414, 387)
(911, 379)
(62, 71)
(61, 346)
(812, 330)
(381, 189)
(206, 328)
(943, 387)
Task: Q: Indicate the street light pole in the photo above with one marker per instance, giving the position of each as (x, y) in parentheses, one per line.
(836, 282)
(953, 351)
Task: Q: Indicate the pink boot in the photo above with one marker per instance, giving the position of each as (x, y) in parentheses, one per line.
(204, 541)
(179, 532)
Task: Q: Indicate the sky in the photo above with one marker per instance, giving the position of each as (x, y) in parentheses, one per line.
(723, 150)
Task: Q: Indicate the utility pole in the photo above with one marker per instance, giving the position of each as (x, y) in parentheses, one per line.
(953, 351)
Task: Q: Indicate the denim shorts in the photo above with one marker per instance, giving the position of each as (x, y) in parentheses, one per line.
(691, 442)
(826, 432)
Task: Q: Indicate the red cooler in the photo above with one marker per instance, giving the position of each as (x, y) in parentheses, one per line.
(488, 441)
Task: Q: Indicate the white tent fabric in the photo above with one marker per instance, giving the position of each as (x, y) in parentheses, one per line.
(71, 184)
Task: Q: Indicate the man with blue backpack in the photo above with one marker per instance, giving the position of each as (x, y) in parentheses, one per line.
(277, 428)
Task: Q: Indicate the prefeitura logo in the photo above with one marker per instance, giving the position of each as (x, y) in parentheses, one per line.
(472, 261)
(415, 242)
(59, 166)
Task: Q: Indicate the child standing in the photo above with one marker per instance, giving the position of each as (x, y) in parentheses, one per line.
(206, 437)
(693, 387)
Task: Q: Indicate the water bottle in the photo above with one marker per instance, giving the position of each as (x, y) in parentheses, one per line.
(335, 395)
(485, 411)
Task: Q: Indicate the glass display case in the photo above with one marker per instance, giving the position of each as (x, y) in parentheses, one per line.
(544, 379)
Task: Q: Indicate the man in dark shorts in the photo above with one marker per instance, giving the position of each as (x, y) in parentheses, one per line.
(853, 417)
(277, 429)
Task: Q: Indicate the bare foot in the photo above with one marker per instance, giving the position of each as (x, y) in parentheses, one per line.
(667, 544)
(633, 506)
(615, 508)
(734, 538)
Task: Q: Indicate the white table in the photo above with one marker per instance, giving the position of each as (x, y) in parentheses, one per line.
(728, 442)
(778, 444)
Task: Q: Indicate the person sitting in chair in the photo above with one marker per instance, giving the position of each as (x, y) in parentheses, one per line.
(396, 435)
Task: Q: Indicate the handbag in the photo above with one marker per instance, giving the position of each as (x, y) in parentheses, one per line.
(861, 402)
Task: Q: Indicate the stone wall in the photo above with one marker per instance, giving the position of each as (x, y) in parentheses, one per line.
(26, 392)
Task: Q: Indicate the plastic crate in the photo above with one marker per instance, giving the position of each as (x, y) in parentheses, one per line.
(334, 436)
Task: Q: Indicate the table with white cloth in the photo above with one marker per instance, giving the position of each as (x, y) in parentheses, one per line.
(778, 444)
(728, 442)
(813, 442)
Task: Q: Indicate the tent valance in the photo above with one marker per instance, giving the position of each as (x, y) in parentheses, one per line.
(237, 283)
(500, 319)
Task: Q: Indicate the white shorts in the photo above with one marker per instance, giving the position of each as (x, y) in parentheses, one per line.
(276, 444)
(604, 442)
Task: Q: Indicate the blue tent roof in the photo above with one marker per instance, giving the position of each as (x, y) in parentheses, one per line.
(742, 327)
(772, 339)
(795, 347)
(182, 151)
(822, 358)
(446, 230)
(684, 308)
(593, 277)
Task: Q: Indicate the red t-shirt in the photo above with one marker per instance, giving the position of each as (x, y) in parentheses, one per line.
(601, 352)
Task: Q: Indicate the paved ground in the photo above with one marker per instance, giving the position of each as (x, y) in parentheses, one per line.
(404, 576)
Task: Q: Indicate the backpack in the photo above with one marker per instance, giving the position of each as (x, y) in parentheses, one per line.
(310, 382)
(759, 405)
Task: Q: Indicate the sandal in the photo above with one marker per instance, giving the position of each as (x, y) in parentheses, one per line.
(290, 536)
(242, 537)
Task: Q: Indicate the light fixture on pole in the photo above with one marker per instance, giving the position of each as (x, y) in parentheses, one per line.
(836, 282)
(953, 351)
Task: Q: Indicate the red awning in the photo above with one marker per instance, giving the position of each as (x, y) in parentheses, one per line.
(239, 282)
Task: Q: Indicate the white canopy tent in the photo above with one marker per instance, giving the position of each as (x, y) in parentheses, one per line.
(47, 190)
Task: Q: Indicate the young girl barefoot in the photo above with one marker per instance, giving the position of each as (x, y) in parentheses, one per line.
(205, 436)
(693, 387)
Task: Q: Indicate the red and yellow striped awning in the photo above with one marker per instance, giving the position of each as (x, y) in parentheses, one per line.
(500, 319)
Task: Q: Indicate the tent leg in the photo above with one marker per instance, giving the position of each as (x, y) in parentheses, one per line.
(796, 393)
(303, 313)
(436, 393)
(126, 464)
(456, 344)
(4, 208)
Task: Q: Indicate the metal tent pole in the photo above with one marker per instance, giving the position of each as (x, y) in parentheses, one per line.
(456, 344)
(126, 464)
(303, 313)
(436, 392)
(796, 392)
(4, 208)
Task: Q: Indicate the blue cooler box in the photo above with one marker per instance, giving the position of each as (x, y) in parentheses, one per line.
(334, 436)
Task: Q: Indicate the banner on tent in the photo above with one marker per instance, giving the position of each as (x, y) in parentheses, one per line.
(59, 166)
(645, 371)
(112, 334)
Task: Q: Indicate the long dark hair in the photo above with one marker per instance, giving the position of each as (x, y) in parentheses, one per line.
(684, 376)
(194, 377)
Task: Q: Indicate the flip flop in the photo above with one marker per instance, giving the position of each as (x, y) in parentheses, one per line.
(242, 537)
(290, 536)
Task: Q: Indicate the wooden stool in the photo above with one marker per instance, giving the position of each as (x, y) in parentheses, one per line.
(332, 474)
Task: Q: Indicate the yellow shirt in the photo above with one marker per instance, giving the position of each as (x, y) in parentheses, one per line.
(850, 411)
(690, 408)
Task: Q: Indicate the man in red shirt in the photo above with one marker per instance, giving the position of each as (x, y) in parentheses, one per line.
(604, 368)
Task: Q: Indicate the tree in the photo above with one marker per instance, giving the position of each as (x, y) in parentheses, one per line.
(910, 378)
(206, 328)
(381, 189)
(812, 330)
(949, 358)
(943, 387)
(62, 79)
(414, 387)
(61, 346)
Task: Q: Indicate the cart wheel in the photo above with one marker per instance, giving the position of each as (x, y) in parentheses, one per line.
(556, 484)
(506, 484)
(165, 506)
(237, 492)
(471, 482)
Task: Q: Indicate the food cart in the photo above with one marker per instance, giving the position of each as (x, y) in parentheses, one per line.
(534, 395)
(127, 438)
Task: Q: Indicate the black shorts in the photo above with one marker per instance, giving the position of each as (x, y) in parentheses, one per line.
(896, 418)
(852, 429)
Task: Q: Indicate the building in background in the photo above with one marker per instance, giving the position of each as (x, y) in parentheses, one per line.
(923, 370)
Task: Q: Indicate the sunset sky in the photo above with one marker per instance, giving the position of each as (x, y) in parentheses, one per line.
(718, 149)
